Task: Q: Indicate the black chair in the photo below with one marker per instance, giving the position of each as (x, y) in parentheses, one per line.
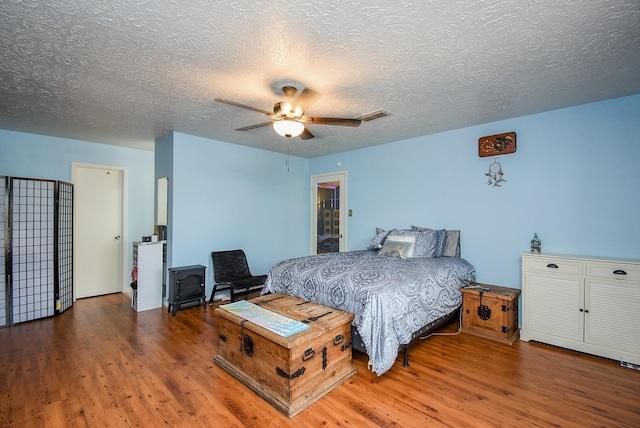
(231, 271)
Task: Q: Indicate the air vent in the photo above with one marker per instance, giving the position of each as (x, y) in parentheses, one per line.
(373, 115)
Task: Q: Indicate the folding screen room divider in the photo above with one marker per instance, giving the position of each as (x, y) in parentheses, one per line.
(36, 232)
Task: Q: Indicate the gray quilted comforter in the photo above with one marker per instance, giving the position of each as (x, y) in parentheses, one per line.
(390, 297)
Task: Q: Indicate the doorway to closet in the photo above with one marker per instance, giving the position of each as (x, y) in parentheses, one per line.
(99, 229)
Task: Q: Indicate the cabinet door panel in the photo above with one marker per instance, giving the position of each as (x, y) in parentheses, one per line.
(612, 320)
(553, 306)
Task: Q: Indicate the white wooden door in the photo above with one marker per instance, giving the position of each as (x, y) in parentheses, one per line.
(328, 213)
(98, 229)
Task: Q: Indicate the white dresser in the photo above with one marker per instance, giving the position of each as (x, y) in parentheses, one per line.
(589, 304)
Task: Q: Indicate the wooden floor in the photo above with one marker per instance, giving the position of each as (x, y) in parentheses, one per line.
(102, 364)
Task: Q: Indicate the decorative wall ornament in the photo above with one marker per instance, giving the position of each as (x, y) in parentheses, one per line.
(495, 174)
(499, 144)
(536, 244)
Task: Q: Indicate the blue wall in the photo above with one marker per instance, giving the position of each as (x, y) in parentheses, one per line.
(575, 180)
(225, 196)
(40, 156)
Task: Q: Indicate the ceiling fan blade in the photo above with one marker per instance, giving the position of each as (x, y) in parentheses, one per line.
(235, 104)
(331, 121)
(258, 125)
(306, 135)
(307, 98)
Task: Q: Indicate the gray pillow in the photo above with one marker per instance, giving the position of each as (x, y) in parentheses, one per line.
(451, 244)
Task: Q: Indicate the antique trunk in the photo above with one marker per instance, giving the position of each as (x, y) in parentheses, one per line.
(490, 311)
(290, 373)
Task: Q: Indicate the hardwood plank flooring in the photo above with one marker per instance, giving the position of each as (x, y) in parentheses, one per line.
(103, 364)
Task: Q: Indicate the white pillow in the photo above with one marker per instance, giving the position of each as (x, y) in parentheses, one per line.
(399, 246)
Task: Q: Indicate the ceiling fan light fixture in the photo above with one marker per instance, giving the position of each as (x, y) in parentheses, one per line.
(287, 109)
(288, 128)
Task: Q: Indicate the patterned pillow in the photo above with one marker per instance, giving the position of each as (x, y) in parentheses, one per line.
(402, 247)
(376, 243)
(426, 241)
(442, 240)
(451, 243)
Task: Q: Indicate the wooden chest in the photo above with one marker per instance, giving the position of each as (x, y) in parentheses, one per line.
(290, 373)
(490, 311)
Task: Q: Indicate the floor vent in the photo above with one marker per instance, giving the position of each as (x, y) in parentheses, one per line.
(629, 365)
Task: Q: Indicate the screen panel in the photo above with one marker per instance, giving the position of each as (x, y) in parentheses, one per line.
(32, 249)
(64, 234)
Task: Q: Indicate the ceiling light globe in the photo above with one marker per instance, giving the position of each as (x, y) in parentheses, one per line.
(288, 128)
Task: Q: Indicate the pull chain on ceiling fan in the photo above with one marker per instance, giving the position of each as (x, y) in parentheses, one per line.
(288, 117)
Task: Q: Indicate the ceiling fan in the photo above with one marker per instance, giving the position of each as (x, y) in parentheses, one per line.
(288, 117)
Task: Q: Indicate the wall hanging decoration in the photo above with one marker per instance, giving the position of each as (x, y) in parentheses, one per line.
(499, 144)
(495, 174)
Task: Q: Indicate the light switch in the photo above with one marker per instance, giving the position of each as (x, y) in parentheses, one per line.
(350, 213)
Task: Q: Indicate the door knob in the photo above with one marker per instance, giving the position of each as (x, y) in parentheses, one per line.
(117, 237)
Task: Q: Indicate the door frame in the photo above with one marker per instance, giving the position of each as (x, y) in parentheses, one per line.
(75, 166)
(340, 176)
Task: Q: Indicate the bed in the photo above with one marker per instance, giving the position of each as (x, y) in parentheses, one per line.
(404, 284)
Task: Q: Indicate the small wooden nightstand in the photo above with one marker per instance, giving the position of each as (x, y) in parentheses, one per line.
(490, 311)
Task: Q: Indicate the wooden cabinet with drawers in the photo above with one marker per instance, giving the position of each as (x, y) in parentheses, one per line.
(589, 304)
(490, 311)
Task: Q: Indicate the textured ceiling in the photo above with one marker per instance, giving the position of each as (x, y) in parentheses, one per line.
(125, 72)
